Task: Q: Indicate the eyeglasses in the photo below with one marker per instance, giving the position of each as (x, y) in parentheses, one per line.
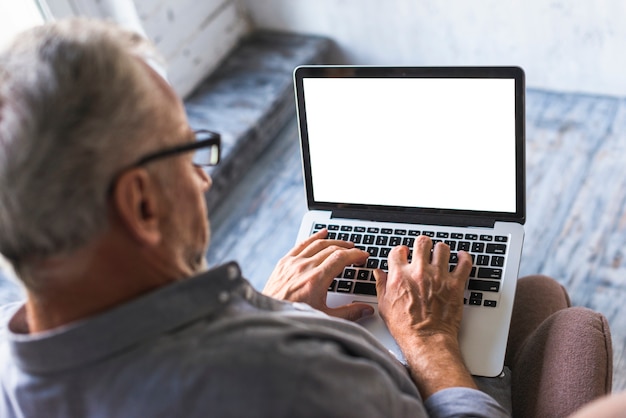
(206, 150)
(206, 153)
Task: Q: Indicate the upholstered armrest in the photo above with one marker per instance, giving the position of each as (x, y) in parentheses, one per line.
(560, 357)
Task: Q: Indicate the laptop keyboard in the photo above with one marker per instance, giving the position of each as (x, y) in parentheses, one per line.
(488, 253)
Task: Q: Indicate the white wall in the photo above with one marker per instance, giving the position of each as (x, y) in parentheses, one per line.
(193, 35)
(569, 45)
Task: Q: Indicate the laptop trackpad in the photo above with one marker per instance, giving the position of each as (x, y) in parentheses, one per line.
(376, 326)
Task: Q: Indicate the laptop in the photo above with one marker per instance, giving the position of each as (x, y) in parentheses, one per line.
(391, 153)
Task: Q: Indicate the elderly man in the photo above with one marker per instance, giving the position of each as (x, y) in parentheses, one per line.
(102, 214)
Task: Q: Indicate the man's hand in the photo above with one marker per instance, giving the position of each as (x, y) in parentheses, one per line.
(305, 273)
(422, 305)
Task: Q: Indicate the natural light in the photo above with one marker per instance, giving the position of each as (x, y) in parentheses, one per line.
(16, 16)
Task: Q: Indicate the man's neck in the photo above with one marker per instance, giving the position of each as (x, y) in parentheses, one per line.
(88, 282)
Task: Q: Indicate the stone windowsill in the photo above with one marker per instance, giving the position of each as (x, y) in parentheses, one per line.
(249, 99)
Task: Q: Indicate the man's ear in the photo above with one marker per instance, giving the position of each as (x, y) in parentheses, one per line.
(137, 202)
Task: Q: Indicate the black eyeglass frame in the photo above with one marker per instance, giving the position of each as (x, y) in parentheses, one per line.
(214, 140)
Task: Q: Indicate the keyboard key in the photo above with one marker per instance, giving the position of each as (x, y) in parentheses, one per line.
(332, 286)
(346, 228)
(478, 247)
(483, 285)
(384, 252)
(476, 295)
(333, 227)
(496, 249)
(369, 239)
(413, 233)
(356, 238)
(319, 226)
(395, 241)
(372, 263)
(384, 265)
(343, 236)
(482, 260)
(488, 273)
(428, 233)
(463, 246)
(349, 273)
(490, 303)
(373, 251)
(456, 235)
(344, 286)
(332, 235)
(400, 231)
(451, 244)
(387, 231)
(497, 261)
(409, 242)
(471, 237)
(382, 240)
(363, 275)
(500, 238)
(359, 229)
(363, 288)
(486, 238)
(443, 235)
(373, 230)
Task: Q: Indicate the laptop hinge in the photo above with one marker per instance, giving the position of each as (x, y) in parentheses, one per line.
(426, 219)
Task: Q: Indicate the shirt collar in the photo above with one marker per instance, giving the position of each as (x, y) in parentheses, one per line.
(145, 317)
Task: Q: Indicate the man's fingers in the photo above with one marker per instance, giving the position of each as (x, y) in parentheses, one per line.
(398, 256)
(320, 235)
(352, 312)
(421, 250)
(464, 265)
(381, 282)
(316, 243)
(320, 245)
(333, 260)
(441, 255)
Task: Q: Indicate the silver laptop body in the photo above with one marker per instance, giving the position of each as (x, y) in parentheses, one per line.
(391, 153)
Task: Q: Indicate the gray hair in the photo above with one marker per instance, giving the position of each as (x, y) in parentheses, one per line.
(73, 110)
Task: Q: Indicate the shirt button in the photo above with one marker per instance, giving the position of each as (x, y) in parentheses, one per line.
(233, 272)
(224, 297)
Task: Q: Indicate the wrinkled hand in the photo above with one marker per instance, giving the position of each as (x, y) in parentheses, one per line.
(422, 297)
(307, 271)
(422, 305)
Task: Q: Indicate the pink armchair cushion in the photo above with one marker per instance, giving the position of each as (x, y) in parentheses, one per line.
(560, 357)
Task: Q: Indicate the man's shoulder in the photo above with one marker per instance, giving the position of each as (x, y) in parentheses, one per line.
(271, 362)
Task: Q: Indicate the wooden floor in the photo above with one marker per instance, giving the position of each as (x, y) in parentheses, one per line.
(576, 201)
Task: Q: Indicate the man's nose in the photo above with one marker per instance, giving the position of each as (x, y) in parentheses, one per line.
(205, 178)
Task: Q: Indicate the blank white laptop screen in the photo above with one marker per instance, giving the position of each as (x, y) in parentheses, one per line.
(413, 142)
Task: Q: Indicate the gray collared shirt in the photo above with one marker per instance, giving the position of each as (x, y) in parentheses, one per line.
(211, 346)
